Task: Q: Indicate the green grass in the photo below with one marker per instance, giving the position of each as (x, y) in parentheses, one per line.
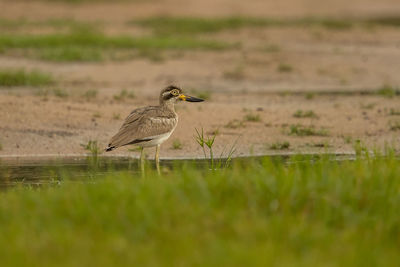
(20, 77)
(305, 114)
(301, 130)
(196, 25)
(252, 117)
(394, 112)
(388, 91)
(95, 46)
(235, 124)
(394, 125)
(176, 144)
(264, 213)
(280, 145)
(124, 94)
(193, 25)
(90, 94)
(284, 68)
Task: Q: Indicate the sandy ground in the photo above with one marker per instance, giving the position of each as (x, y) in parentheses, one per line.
(241, 82)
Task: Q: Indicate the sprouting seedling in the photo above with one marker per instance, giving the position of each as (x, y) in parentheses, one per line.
(209, 143)
(200, 140)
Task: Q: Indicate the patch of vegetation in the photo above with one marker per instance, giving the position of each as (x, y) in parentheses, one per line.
(90, 94)
(388, 91)
(394, 112)
(124, 94)
(20, 77)
(367, 106)
(176, 144)
(92, 147)
(97, 115)
(253, 214)
(271, 48)
(305, 114)
(318, 145)
(300, 130)
(252, 117)
(309, 95)
(235, 124)
(1, 146)
(191, 25)
(116, 116)
(93, 46)
(385, 21)
(59, 92)
(206, 141)
(280, 145)
(285, 68)
(394, 125)
(203, 94)
(71, 54)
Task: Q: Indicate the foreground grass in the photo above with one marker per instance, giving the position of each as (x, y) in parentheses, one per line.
(320, 213)
(20, 77)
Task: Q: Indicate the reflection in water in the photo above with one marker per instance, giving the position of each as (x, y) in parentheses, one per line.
(37, 172)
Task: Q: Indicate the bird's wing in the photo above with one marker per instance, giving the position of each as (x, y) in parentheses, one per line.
(143, 124)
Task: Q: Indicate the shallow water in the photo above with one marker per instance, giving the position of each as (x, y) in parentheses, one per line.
(38, 171)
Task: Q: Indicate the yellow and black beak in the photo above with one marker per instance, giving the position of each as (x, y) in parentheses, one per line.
(189, 98)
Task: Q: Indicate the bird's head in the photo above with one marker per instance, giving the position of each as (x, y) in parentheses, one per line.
(172, 94)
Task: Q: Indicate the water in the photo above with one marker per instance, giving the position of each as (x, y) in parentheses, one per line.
(37, 172)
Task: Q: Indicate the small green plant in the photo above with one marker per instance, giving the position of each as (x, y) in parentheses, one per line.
(92, 147)
(300, 130)
(124, 94)
(367, 106)
(309, 95)
(394, 125)
(59, 92)
(116, 116)
(305, 114)
(235, 124)
(394, 112)
(280, 145)
(90, 94)
(176, 144)
(97, 115)
(348, 139)
(388, 91)
(20, 77)
(252, 117)
(208, 142)
(272, 48)
(284, 68)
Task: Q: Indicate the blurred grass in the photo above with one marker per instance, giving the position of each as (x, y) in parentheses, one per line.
(197, 25)
(268, 213)
(20, 77)
(94, 46)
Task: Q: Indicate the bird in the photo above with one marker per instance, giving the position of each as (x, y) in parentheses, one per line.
(150, 126)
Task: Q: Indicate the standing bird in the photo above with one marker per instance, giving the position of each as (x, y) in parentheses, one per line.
(150, 126)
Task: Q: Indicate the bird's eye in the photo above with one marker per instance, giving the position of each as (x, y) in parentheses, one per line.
(175, 92)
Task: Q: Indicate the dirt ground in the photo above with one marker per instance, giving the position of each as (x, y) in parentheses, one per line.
(253, 91)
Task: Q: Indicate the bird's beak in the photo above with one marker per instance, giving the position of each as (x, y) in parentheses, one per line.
(189, 98)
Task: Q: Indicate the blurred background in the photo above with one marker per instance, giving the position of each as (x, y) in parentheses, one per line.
(277, 76)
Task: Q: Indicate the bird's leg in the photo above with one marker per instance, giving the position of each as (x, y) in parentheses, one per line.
(157, 158)
(142, 160)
